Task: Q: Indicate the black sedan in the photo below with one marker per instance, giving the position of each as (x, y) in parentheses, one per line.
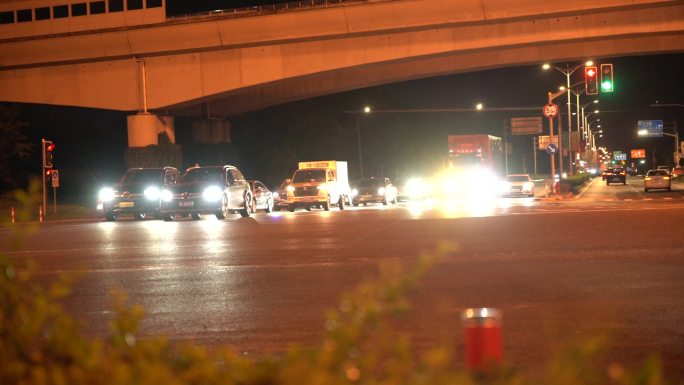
(138, 193)
(216, 190)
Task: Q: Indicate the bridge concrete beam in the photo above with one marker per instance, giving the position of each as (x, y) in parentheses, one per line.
(242, 64)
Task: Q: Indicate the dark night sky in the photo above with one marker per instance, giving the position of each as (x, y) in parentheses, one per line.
(90, 143)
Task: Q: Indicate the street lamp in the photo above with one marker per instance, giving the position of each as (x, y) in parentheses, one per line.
(677, 155)
(366, 110)
(567, 71)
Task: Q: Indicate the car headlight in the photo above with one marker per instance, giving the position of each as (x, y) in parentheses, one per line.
(152, 193)
(528, 186)
(290, 188)
(106, 194)
(504, 186)
(322, 187)
(354, 192)
(212, 194)
(381, 191)
(166, 195)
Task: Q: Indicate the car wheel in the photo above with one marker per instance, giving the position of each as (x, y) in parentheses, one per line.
(253, 206)
(110, 217)
(196, 216)
(167, 217)
(645, 190)
(269, 205)
(291, 208)
(247, 207)
(340, 203)
(624, 183)
(384, 200)
(355, 203)
(669, 189)
(607, 183)
(307, 207)
(139, 216)
(395, 201)
(326, 204)
(223, 213)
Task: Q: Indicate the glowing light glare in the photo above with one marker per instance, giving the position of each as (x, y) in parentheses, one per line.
(381, 191)
(643, 132)
(416, 188)
(152, 193)
(354, 192)
(212, 194)
(546, 66)
(479, 106)
(290, 188)
(166, 195)
(591, 72)
(106, 194)
(322, 187)
(589, 63)
(367, 109)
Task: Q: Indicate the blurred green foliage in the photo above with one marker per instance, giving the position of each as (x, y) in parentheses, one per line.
(41, 344)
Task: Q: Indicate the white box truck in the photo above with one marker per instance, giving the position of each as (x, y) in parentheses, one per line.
(319, 184)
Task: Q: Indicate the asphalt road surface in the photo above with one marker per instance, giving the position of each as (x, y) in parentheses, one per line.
(608, 263)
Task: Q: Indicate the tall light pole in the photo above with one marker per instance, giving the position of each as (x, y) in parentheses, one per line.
(677, 153)
(366, 110)
(567, 71)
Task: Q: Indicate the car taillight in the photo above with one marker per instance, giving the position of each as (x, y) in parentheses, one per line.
(622, 173)
(666, 177)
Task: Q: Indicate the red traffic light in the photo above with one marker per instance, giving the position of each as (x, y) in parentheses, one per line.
(51, 146)
(591, 80)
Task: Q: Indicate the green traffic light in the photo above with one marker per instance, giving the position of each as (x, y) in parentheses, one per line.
(607, 86)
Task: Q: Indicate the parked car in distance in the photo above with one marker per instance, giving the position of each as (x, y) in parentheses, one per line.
(379, 190)
(280, 195)
(657, 179)
(616, 174)
(262, 197)
(677, 172)
(217, 190)
(138, 193)
(517, 184)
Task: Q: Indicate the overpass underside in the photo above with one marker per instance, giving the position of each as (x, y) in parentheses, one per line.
(222, 66)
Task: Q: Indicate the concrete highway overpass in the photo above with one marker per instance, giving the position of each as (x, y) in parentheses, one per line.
(226, 63)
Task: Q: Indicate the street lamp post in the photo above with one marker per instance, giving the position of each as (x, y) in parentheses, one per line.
(366, 110)
(567, 71)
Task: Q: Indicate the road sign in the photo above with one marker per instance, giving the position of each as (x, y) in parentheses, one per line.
(550, 110)
(55, 178)
(551, 149)
(650, 128)
(525, 126)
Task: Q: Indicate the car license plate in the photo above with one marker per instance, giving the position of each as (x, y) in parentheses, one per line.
(185, 203)
(126, 204)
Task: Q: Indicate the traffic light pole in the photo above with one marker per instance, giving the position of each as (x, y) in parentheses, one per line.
(42, 174)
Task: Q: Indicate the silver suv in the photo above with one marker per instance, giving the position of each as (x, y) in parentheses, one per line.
(217, 190)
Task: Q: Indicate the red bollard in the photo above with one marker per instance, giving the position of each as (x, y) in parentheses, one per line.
(40, 213)
(12, 214)
(482, 334)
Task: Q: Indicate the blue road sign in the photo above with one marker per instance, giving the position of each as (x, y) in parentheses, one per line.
(551, 149)
(650, 128)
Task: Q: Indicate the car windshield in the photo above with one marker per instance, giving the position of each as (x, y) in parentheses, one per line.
(371, 183)
(202, 174)
(142, 176)
(657, 173)
(301, 176)
(517, 178)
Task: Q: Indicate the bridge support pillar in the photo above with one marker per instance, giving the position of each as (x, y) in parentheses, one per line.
(145, 129)
(211, 131)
